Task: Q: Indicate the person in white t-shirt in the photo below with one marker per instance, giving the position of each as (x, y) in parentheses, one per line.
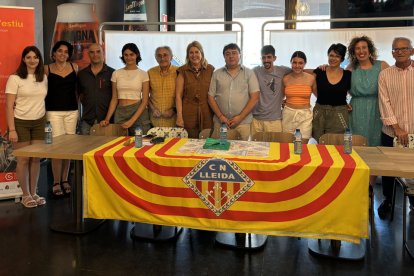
(130, 93)
(25, 110)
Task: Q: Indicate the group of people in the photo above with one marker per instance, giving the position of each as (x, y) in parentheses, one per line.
(195, 96)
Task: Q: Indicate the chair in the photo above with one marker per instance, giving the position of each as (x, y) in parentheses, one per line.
(357, 140)
(110, 130)
(338, 139)
(232, 134)
(168, 132)
(280, 137)
(407, 186)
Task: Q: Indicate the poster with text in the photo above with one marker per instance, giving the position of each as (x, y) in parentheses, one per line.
(16, 32)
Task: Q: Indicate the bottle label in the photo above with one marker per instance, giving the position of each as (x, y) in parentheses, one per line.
(297, 146)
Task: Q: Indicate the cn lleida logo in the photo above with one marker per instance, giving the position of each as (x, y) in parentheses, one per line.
(218, 183)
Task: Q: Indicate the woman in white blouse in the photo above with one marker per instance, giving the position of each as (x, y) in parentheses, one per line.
(25, 109)
(130, 93)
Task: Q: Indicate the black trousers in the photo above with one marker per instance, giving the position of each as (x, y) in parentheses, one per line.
(388, 182)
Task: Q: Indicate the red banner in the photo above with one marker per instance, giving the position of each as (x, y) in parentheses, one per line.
(16, 32)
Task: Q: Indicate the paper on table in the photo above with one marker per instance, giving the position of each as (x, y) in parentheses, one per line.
(212, 143)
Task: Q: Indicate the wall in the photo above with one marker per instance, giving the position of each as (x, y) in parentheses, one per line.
(106, 11)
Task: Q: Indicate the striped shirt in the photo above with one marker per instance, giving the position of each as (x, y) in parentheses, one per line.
(396, 99)
(298, 94)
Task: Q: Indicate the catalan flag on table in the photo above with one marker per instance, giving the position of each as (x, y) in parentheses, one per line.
(322, 193)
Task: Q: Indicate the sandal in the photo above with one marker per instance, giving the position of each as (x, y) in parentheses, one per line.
(28, 201)
(66, 187)
(39, 200)
(57, 190)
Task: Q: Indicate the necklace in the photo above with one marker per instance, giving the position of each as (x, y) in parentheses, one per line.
(196, 70)
(130, 72)
(60, 68)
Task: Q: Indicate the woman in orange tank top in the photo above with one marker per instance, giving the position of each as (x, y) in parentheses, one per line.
(298, 87)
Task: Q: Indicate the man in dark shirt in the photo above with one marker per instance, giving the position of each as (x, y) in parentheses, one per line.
(94, 89)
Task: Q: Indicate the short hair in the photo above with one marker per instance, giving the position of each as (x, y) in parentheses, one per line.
(164, 47)
(231, 46)
(339, 49)
(299, 54)
(268, 49)
(60, 43)
(403, 38)
(133, 48)
(22, 69)
(371, 49)
(198, 45)
(95, 44)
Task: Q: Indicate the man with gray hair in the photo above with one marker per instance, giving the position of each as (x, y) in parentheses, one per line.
(162, 89)
(396, 103)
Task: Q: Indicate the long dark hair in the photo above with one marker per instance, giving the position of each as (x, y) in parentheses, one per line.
(22, 69)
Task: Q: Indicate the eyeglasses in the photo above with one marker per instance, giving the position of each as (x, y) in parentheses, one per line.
(404, 50)
(161, 56)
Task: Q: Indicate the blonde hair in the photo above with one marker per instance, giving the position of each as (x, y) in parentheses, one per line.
(196, 44)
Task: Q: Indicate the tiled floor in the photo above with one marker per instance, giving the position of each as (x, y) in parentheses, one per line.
(29, 247)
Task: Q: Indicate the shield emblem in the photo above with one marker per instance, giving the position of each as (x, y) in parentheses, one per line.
(218, 183)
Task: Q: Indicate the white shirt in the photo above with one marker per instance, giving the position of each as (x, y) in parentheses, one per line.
(129, 83)
(30, 96)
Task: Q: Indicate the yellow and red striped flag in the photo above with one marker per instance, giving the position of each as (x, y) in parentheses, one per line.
(322, 193)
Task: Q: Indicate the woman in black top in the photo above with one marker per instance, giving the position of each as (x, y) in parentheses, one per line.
(330, 114)
(61, 107)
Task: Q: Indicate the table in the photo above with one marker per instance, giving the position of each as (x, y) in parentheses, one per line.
(382, 161)
(70, 147)
(282, 194)
(403, 158)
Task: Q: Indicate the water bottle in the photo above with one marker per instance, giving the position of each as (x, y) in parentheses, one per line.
(138, 137)
(48, 133)
(297, 142)
(223, 134)
(348, 141)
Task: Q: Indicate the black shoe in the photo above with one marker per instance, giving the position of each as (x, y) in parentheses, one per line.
(384, 209)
